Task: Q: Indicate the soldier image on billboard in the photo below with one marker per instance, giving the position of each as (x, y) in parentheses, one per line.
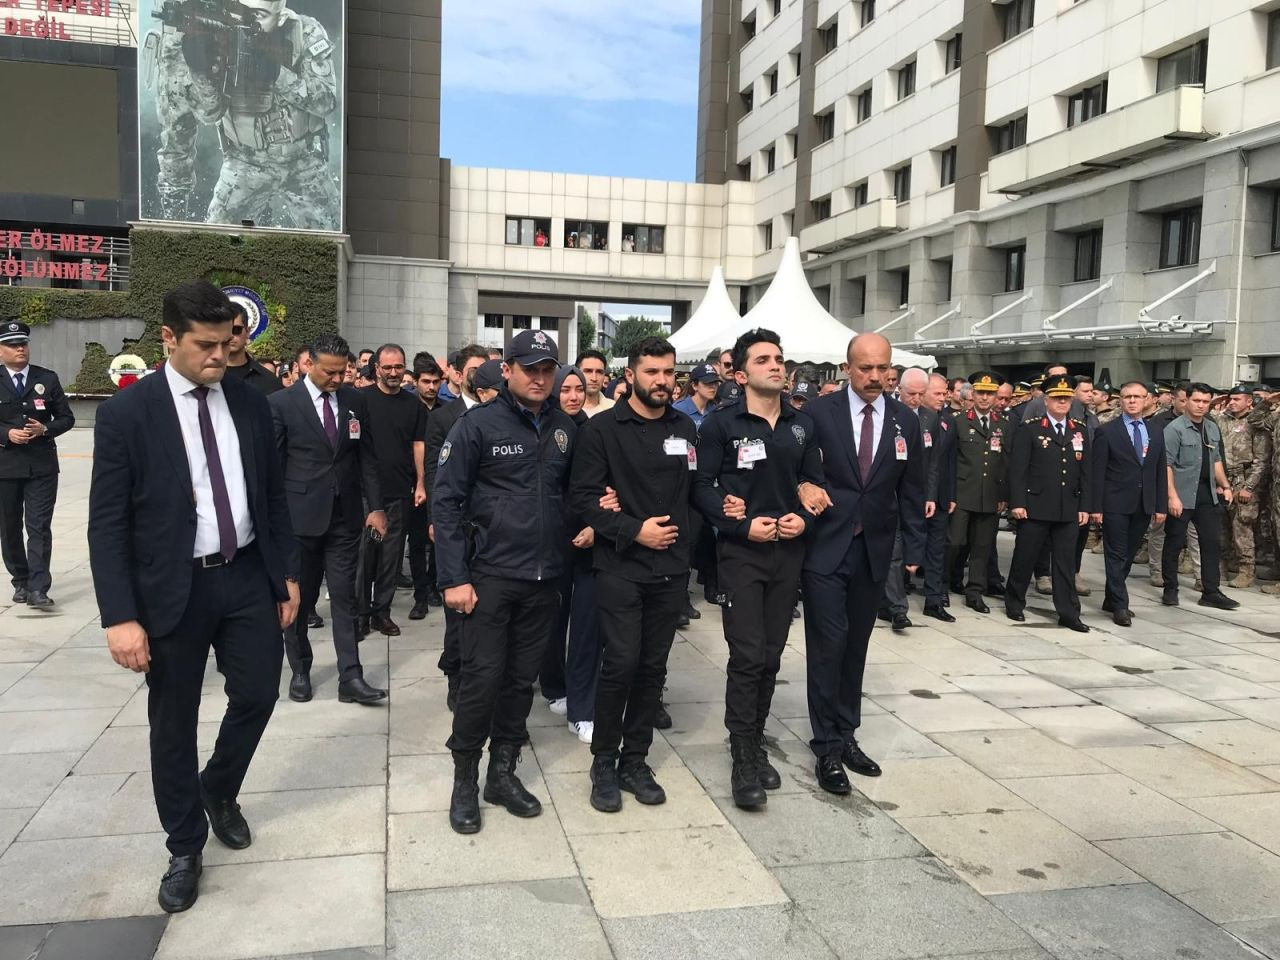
(264, 76)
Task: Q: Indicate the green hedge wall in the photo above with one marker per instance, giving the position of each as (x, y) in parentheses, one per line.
(301, 273)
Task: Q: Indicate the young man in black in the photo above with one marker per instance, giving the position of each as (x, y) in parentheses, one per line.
(758, 451)
(427, 378)
(399, 433)
(646, 451)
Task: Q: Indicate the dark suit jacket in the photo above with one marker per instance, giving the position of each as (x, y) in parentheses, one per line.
(315, 473)
(42, 399)
(142, 511)
(940, 475)
(1047, 477)
(439, 422)
(893, 494)
(1120, 483)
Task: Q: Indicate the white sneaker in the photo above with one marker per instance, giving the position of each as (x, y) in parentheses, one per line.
(559, 707)
(583, 728)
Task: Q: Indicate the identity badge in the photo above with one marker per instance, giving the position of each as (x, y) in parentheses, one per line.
(749, 453)
(676, 446)
(900, 447)
(353, 428)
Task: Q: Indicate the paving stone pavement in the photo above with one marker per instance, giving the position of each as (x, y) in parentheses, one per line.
(1045, 795)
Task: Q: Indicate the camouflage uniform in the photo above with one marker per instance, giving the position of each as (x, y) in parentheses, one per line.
(177, 153)
(1265, 417)
(275, 141)
(1248, 455)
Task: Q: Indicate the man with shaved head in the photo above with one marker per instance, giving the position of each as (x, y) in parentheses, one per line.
(873, 461)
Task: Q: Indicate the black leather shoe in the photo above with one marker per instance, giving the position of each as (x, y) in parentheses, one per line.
(434, 599)
(662, 719)
(831, 776)
(605, 795)
(1219, 600)
(501, 785)
(770, 779)
(683, 621)
(636, 778)
(40, 599)
(1077, 625)
(857, 761)
(315, 621)
(362, 628)
(225, 820)
(1015, 615)
(1169, 598)
(713, 596)
(419, 612)
(977, 603)
(300, 688)
(180, 885)
(356, 690)
(464, 804)
(19, 594)
(938, 613)
(995, 591)
(451, 697)
(384, 625)
(1122, 618)
(744, 778)
(900, 622)
(692, 612)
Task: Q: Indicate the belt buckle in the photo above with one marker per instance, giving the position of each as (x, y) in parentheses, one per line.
(209, 562)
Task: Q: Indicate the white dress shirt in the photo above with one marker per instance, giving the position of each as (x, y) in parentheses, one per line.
(318, 397)
(224, 431)
(856, 405)
(1059, 426)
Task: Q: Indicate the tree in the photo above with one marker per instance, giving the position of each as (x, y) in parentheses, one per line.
(586, 331)
(631, 331)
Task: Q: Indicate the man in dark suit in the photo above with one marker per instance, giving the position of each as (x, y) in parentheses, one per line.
(912, 385)
(330, 472)
(874, 465)
(1130, 485)
(33, 410)
(1049, 497)
(940, 490)
(190, 547)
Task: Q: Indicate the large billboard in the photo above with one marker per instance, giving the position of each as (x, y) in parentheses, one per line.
(240, 108)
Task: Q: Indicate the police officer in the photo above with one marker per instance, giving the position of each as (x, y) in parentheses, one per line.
(1248, 455)
(758, 451)
(33, 410)
(499, 512)
(646, 451)
(982, 487)
(704, 383)
(1049, 497)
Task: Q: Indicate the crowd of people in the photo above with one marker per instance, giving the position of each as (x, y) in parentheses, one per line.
(560, 517)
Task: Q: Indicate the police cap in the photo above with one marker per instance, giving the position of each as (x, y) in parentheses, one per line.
(984, 381)
(15, 333)
(1059, 386)
(531, 347)
(704, 373)
(488, 375)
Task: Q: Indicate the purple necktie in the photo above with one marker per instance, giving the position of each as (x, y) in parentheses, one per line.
(1137, 441)
(865, 443)
(221, 501)
(330, 424)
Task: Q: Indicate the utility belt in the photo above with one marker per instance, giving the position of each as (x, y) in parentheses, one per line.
(282, 132)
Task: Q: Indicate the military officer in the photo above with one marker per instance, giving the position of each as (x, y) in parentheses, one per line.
(1048, 496)
(33, 410)
(982, 486)
(1248, 456)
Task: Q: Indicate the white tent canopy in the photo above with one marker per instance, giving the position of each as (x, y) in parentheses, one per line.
(809, 333)
(714, 315)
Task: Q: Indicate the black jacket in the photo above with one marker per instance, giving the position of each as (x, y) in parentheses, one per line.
(315, 473)
(42, 399)
(439, 422)
(257, 376)
(1122, 485)
(499, 503)
(142, 513)
(1049, 478)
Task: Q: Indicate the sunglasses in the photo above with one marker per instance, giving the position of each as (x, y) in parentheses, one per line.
(237, 329)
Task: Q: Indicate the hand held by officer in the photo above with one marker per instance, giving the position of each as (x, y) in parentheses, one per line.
(586, 538)
(377, 520)
(763, 529)
(790, 526)
(610, 501)
(1225, 494)
(657, 533)
(288, 609)
(461, 598)
(813, 498)
(128, 645)
(735, 508)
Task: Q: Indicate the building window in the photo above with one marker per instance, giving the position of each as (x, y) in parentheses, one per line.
(586, 235)
(793, 150)
(493, 321)
(771, 82)
(795, 63)
(642, 238)
(1275, 220)
(1273, 39)
(1182, 67)
(1087, 104)
(951, 58)
(867, 12)
(945, 268)
(1019, 16)
(522, 323)
(749, 27)
(860, 194)
(828, 38)
(1088, 264)
(1171, 370)
(902, 183)
(766, 234)
(906, 80)
(1180, 238)
(864, 105)
(826, 125)
(528, 231)
(821, 208)
(777, 8)
(1015, 268)
(770, 160)
(947, 165)
(1009, 136)
(788, 223)
(904, 286)
(748, 99)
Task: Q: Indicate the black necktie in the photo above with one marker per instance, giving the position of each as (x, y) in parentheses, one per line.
(17, 383)
(985, 427)
(1059, 427)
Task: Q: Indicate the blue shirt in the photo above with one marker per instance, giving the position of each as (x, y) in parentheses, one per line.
(1142, 432)
(687, 406)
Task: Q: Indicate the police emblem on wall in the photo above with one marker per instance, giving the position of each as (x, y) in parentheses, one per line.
(254, 307)
(562, 440)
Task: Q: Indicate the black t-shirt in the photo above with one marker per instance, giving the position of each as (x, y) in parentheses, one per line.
(398, 419)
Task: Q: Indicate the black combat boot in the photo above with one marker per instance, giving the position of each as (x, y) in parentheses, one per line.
(501, 785)
(464, 805)
(745, 778)
(770, 779)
